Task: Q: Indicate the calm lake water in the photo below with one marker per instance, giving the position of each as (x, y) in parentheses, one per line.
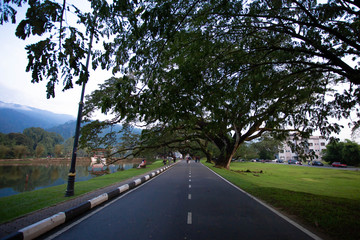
(22, 177)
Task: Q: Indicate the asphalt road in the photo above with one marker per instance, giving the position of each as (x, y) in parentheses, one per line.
(188, 201)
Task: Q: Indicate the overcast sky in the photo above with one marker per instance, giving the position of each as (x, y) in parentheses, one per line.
(15, 82)
(16, 86)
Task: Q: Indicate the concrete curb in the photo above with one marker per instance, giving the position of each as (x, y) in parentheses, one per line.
(37, 229)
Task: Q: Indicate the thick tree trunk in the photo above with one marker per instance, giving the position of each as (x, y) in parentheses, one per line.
(208, 158)
(223, 161)
(227, 153)
(228, 147)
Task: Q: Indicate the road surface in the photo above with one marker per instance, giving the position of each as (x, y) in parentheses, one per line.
(188, 201)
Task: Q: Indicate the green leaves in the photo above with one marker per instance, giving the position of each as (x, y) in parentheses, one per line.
(226, 71)
(8, 12)
(39, 19)
(347, 152)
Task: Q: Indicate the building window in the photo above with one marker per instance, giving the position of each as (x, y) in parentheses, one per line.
(322, 144)
(310, 144)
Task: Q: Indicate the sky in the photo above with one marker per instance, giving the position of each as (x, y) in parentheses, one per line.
(15, 82)
(16, 86)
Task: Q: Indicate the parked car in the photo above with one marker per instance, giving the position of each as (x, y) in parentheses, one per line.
(338, 164)
(279, 161)
(292, 161)
(317, 163)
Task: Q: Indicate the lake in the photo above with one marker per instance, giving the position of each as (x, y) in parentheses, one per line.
(22, 176)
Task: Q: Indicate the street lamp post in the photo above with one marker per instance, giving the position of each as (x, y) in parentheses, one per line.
(72, 171)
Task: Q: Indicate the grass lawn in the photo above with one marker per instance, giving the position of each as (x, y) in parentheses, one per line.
(327, 199)
(26, 202)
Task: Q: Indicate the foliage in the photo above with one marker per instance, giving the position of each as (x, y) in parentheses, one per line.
(61, 50)
(347, 152)
(39, 150)
(17, 145)
(4, 151)
(20, 151)
(58, 150)
(19, 139)
(8, 12)
(326, 33)
(224, 72)
(220, 93)
(68, 148)
(247, 151)
(47, 140)
(267, 147)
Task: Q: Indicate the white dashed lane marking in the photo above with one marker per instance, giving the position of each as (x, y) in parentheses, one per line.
(189, 218)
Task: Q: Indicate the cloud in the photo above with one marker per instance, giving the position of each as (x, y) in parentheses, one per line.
(14, 106)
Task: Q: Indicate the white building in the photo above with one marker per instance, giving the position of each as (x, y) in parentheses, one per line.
(314, 144)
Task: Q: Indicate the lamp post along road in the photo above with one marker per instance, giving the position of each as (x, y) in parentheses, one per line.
(72, 171)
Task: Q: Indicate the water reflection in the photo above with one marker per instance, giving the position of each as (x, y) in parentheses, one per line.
(25, 177)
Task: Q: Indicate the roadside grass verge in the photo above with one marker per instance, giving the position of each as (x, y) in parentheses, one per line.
(23, 203)
(325, 199)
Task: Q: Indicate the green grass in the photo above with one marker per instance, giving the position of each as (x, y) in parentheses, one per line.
(27, 202)
(327, 199)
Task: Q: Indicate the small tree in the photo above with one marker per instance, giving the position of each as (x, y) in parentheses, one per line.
(247, 151)
(4, 150)
(58, 150)
(267, 147)
(20, 151)
(39, 150)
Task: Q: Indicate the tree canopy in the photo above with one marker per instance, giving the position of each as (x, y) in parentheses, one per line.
(26, 143)
(347, 152)
(223, 72)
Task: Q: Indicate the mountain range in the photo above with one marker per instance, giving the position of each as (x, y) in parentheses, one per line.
(14, 118)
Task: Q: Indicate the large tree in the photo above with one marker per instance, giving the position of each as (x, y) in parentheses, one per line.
(226, 71)
(211, 87)
(326, 33)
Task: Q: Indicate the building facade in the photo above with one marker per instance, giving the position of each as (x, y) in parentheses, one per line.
(314, 144)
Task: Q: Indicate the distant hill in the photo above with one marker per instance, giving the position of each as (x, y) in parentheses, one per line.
(16, 118)
(67, 129)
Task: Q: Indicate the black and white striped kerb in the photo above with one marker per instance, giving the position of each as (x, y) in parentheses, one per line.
(37, 229)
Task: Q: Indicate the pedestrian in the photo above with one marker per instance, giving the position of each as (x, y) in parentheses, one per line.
(142, 164)
(164, 161)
